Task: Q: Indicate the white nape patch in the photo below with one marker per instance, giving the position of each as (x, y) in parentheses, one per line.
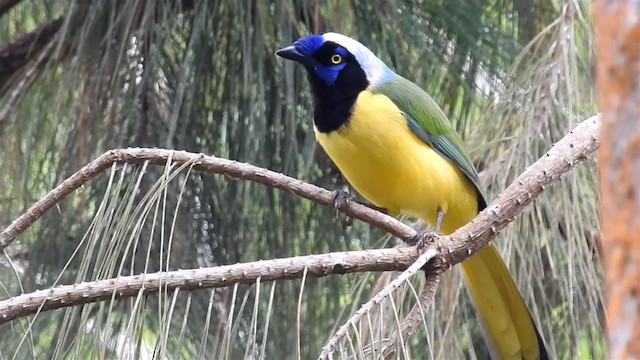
(377, 71)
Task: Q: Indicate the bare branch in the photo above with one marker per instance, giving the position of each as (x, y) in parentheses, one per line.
(230, 168)
(18, 54)
(28, 77)
(415, 317)
(582, 141)
(245, 273)
(22, 51)
(368, 306)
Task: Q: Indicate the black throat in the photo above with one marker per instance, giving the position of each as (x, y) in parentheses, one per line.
(334, 103)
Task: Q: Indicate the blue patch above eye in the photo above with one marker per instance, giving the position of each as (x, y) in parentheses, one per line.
(308, 44)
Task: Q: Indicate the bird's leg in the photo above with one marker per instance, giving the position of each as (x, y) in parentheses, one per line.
(439, 217)
(421, 239)
(342, 198)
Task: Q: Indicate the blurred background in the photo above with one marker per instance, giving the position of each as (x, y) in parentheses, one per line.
(80, 77)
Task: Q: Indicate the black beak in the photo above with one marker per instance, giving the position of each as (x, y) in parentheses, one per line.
(291, 53)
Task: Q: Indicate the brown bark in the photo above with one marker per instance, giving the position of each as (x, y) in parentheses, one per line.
(19, 53)
(212, 277)
(618, 81)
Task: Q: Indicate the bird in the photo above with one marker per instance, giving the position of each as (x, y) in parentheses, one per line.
(396, 147)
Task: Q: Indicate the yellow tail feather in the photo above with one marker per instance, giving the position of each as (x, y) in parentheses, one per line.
(502, 312)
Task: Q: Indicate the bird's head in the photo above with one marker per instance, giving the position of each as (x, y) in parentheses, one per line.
(337, 62)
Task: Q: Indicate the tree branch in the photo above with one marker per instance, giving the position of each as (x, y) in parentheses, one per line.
(6, 5)
(582, 141)
(328, 349)
(16, 55)
(19, 53)
(220, 276)
(233, 169)
(414, 317)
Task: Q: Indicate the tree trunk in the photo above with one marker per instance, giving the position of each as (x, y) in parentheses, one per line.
(618, 31)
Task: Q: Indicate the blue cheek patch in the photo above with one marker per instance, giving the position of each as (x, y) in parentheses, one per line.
(328, 74)
(308, 45)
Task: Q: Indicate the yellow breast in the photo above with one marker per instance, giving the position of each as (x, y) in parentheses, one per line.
(392, 168)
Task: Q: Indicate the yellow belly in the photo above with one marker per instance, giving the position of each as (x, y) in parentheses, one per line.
(392, 168)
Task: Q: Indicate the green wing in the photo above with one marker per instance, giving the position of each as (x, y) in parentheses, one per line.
(429, 123)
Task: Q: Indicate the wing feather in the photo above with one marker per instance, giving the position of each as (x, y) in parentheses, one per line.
(430, 124)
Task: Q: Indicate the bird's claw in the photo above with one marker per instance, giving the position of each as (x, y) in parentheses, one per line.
(423, 237)
(429, 235)
(341, 199)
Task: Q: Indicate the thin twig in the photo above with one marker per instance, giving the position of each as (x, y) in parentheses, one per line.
(415, 316)
(328, 349)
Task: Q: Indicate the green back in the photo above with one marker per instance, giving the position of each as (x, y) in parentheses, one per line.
(430, 124)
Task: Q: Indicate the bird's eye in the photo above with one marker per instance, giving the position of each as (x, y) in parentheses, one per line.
(336, 59)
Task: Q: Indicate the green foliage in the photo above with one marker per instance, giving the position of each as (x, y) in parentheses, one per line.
(201, 76)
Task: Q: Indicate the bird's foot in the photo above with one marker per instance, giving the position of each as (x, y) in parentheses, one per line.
(429, 235)
(341, 199)
(423, 237)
